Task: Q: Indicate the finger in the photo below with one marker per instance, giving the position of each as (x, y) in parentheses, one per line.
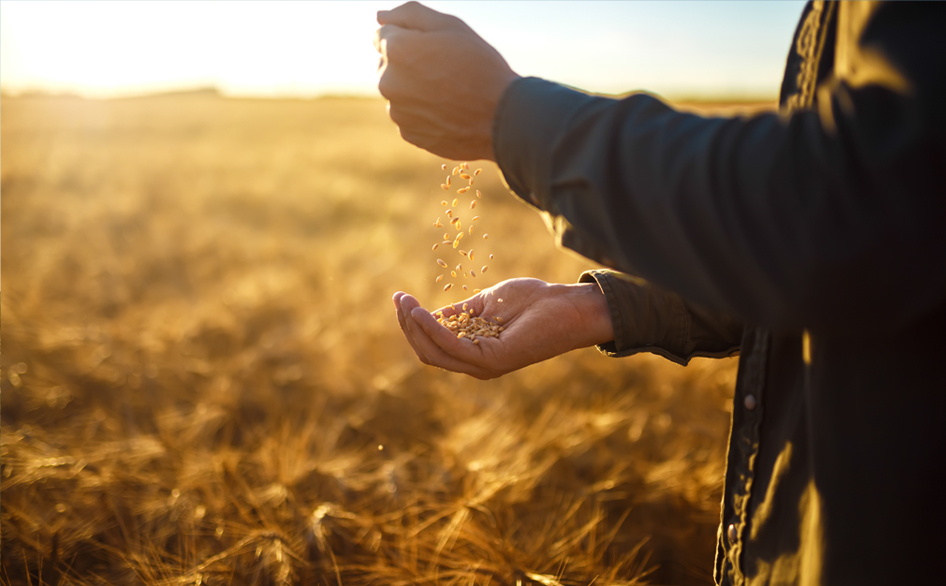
(388, 35)
(461, 355)
(414, 15)
(402, 322)
(459, 349)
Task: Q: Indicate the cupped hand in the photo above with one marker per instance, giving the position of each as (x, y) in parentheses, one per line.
(442, 81)
(541, 320)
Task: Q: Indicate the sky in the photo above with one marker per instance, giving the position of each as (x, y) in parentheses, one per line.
(306, 49)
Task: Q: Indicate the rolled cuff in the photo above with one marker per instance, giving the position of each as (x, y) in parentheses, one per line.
(649, 319)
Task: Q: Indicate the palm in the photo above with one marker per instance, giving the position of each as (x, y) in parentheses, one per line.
(540, 321)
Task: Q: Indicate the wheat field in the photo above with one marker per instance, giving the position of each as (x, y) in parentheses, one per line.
(203, 381)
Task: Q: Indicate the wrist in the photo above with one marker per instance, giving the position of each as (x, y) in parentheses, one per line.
(594, 314)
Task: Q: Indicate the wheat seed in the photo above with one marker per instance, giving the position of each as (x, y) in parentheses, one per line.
(453, 274)
(441, 263)
(491, 257)
(471, 253)
(464, 306)
(466, 325)
(434, 247)
(478, 194)
(485, 236)
(444, 186)
(465, 176)
(475, 218)
(464, 288)
(472, 274)
(439, 278)
(447, 286)
(482, 269)
(456, 200)
(444, 166)
(477, 290)
(472, 204)
(475, 173)
(455, 170)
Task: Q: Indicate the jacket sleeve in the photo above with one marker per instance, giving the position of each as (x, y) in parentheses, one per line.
(650, 319)
(829, 219)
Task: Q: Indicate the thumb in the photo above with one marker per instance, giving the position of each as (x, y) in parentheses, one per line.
(414, 15)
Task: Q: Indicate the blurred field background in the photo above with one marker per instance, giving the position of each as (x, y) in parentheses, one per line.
(200, 360)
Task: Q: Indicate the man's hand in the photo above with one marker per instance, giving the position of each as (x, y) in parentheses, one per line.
(442, 81)
(542, 320)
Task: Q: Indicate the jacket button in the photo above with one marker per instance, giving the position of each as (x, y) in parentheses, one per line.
(750, 402)
(731, 533)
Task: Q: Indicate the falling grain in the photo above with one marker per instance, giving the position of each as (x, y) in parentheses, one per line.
(441, 263)
(435, 247)
(447, 286)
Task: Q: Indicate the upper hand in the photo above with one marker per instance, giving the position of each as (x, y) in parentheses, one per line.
(541, 320)
(442, 81)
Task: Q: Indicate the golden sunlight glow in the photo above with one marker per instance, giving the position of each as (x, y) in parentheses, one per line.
(310, 48)
(109, 48)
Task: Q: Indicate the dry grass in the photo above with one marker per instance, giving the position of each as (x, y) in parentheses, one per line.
(200, 362)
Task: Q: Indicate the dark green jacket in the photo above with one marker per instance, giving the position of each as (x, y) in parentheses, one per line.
(813, 242)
